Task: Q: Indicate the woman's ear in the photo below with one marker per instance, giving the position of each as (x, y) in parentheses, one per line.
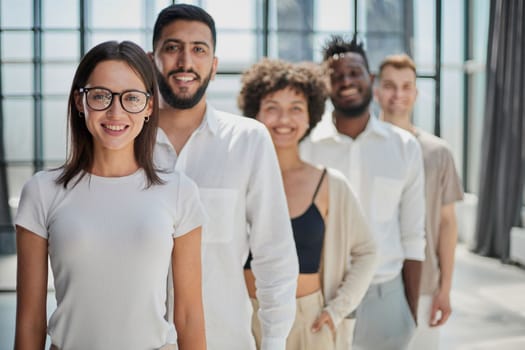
(78, 101)
(149, 108)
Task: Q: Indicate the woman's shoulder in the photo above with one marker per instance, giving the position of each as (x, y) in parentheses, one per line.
(44, 178)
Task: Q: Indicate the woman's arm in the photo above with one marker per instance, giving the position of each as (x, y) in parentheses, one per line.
(188, 310)
(31, 290)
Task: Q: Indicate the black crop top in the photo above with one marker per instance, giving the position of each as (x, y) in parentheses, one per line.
(308, 232)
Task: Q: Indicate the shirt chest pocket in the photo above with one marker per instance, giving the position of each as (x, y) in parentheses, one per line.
(386, 195)
(220, 204)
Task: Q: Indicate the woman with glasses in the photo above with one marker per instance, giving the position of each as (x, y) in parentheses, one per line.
(113, 227)
(335, 249)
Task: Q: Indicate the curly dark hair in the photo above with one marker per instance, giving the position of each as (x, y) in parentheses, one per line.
(270, 75)
(337, 45)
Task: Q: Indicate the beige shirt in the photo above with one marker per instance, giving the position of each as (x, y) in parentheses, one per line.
(442, 187)
(349, 256)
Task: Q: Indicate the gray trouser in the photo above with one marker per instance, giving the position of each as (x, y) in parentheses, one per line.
(383, 319)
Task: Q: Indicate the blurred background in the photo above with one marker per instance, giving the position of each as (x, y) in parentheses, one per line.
(462, 49)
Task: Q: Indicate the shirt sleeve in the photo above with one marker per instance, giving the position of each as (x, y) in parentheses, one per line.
(452, 188)
(32, 213)
(412, 208)
(275, 264)
(190, 210)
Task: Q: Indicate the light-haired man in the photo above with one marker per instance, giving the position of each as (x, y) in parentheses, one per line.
(396, 94)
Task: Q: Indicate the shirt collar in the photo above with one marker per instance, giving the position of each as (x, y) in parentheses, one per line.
(210, 119)
(209, 122)
(326, 129)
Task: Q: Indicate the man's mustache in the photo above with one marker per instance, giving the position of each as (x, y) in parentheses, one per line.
(181, 70)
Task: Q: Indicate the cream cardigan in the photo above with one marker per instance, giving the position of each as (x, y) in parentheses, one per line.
(349, 257)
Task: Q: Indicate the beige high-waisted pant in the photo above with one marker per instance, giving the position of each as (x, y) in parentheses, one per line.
(164, 347)
(301, 336)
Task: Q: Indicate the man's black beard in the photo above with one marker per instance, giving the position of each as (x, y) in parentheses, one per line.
(354, 111)
(181, 102)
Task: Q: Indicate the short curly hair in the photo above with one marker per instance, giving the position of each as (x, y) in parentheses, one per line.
(270, 75)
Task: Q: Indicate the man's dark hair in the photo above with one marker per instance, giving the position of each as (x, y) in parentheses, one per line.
(183, 12)
(337, 46)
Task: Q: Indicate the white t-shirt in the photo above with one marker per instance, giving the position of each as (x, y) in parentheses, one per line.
(110, 242)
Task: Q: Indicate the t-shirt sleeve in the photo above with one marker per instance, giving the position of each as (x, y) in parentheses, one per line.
(190, 212)
(452, 188)
(31, 213)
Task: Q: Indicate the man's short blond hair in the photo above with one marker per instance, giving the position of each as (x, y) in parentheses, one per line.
(398, 61)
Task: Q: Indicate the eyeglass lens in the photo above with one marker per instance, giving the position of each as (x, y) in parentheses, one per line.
(132, 101)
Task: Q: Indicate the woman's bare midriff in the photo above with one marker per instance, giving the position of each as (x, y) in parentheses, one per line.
(307, 283)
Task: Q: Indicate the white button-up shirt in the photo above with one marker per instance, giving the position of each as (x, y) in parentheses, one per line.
(233, 162)
(384, 166)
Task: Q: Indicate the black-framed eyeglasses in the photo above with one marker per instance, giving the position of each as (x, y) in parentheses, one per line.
(100, 99)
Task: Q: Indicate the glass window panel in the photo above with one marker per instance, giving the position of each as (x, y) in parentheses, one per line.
(423, 114)
(383, 16)
(379, 45)
(196, 2)
(480, 23)
(273, 45)
(17, 46)
(61, 46)
(477, 116)
(221, 11)
(18, 129)
(160, 4)
(57, 78)
(98, 37)
(116, 14)
(152, 11)
(383, 24)
(333, 16)
(17, 78)
(17, 176)
(424, 35)
(54, 10)
(452, 29)
(236, 50)
(223, 91)
(16, 13)
(452, 112)
(319, 41)
(55, 126)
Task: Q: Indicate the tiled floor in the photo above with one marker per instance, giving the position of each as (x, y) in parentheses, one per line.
(488, 301)
(489, 305)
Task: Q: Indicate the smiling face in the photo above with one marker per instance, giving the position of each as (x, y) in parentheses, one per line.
(396, 92)
(285, 114)
(351, 85)
(185, 63)
(113, 129)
